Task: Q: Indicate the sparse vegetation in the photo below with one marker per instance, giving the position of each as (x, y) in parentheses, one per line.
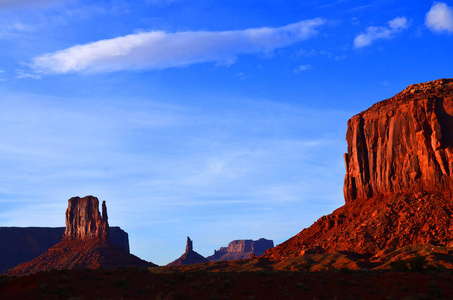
(122, 283)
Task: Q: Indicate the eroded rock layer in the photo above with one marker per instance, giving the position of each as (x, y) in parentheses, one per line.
(241, 249)
(403, 144)
(398, 183)
(83, 220)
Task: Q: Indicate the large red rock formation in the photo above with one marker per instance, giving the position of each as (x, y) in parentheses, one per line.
(241, 249)
(22, 244)
(189, 257)
(402, 145)
(398, 183)
(85, 243)
(83, 220)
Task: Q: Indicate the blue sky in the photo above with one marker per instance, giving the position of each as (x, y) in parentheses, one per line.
(220, 120)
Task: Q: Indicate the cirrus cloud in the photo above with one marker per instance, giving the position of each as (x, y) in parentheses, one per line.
(14, 4)
(161, 50)
(440, 18)
(381, 32)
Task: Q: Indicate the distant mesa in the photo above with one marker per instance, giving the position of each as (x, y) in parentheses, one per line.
(189, 257)
(398, 183)
(241, 249)
(86, 243)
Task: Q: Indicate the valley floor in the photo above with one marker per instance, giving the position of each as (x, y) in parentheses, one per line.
(199, 283)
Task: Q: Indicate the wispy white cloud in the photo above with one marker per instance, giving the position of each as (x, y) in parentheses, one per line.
(160, 50)
(14, 4)
(440, 18)
(374, 33)
(302, 68)
(160, 2)
(23, 75)
(20, 27)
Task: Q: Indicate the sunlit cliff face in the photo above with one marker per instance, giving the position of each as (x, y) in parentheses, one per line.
(402, 145)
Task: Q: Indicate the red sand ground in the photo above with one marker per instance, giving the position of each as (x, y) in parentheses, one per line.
(165, 283)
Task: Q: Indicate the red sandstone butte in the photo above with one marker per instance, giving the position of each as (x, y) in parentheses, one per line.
(83, 220)
(85, 244)
(398, 183)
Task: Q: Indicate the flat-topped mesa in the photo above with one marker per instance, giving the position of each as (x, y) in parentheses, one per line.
(83, 220)
(403, 144)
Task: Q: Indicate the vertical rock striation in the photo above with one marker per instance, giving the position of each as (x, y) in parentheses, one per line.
(402, 145)
(83, 220)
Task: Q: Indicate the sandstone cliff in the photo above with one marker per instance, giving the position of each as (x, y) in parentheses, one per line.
(86, 243)
(398, 181)
(402, 145)
(189, 257)
(241, 249)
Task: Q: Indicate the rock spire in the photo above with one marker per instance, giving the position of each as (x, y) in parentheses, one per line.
(189, 257)
(189, 246)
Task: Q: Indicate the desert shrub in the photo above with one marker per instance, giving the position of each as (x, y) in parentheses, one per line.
(417, 264)
(434, 290)
(43, 286)
(302, 286)
(399, 266)
(87, 276)
(261, 273)
(60, 291)
(122, 283)
(62, 279)
(226, 284)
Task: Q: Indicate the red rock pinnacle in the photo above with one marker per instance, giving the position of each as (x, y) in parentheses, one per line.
(83, 220)
(189, 257)
(189, 246)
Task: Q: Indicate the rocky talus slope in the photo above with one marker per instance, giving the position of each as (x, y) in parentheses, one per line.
(398, 183)
(86, 243)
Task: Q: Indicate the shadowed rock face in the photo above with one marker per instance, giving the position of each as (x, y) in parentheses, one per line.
(189, 257)
(241, 249)
(402, 145)
(83, 220)
(398, 183)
